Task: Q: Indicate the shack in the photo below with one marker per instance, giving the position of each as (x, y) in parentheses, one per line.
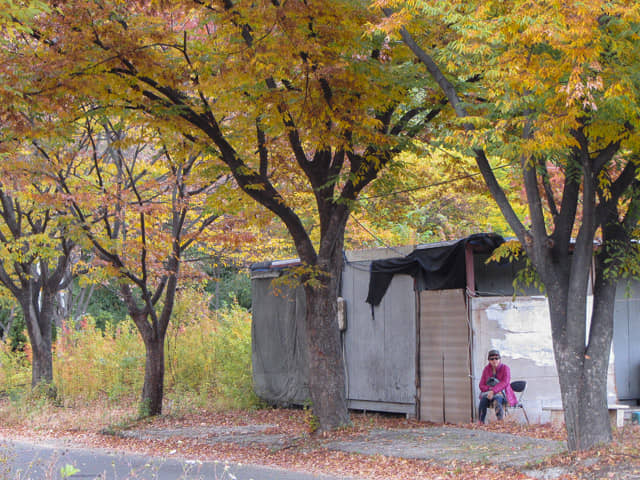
(417, 324)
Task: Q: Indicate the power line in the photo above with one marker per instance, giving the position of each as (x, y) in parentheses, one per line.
(437, 184)
(375, 237)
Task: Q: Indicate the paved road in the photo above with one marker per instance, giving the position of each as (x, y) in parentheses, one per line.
(28, 461)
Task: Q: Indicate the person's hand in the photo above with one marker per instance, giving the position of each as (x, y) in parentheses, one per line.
(490, 395)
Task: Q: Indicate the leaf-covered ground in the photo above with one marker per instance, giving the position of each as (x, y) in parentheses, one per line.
(184, 436)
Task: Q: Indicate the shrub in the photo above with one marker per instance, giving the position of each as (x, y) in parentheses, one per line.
(90, 363)
(232, 345)
(15, 370)
(228, 286)
(208, 360)
(209, 355)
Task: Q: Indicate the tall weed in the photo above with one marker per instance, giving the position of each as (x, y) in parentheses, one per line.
(209, 356)
(90, 363)
(208, 360)
(15, 370)
(233, 350)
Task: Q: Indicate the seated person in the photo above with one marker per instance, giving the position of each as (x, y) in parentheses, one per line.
(495, 387)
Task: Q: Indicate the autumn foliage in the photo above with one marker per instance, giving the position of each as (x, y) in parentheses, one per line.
(180, 111)
(551, 88)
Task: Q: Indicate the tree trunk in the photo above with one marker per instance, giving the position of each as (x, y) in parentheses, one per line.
(39, 328)
(584, 398)
(152, 390)
(582, 372)
(6, 327)
(42, 363)
(153, 330)
(326, 363)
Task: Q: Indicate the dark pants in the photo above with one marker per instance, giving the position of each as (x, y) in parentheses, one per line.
(498, 402)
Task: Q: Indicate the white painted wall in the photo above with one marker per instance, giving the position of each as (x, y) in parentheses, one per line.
(521, 330)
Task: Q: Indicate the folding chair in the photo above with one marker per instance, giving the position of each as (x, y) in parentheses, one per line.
(518, 387)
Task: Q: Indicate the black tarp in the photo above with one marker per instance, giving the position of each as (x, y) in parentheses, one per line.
(436, 268)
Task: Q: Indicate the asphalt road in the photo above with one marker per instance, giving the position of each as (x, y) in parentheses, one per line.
(29, 461)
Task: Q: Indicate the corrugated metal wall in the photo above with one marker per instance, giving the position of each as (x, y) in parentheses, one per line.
(445, 364)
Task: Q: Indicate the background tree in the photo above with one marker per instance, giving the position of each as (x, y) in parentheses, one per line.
(143, 209)
(17, 15)
(35, 253)
(99, 299)
(429, 195)
(551, 86)
(8, 310)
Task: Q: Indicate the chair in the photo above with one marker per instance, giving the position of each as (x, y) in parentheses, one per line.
(518, 387)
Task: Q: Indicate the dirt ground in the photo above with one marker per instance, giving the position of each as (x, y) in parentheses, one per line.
(376, 447)
(455, 449)
(440, 444)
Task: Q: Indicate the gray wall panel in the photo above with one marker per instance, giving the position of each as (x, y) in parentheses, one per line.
(400, 341)
(380, 348)
(626, 340)
(278, 351)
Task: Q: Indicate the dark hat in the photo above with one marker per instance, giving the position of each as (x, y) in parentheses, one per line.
(493, 353)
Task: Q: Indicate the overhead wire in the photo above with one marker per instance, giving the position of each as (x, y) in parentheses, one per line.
(413, 189)
(431, 185)
(375, 237)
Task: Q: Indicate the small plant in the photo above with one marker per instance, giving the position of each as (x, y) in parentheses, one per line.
(45, 391)
(68, 471)
(310, 418)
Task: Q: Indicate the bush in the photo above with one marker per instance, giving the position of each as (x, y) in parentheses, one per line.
(90, 363)
(232, 345)
(208, 360)
(209, 356)
(15, 370)
(105, 306)
(228, 286)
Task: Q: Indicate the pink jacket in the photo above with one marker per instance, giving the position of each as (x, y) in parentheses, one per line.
(503, 374)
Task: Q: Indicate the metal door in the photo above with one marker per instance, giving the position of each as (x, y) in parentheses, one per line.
(445, 365)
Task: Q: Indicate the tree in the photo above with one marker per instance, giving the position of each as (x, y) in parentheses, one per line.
(36, 254)
(323, 117)
(8, 309)
(144, 209)
(551, 87)
(15, 17)
(100, 301)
